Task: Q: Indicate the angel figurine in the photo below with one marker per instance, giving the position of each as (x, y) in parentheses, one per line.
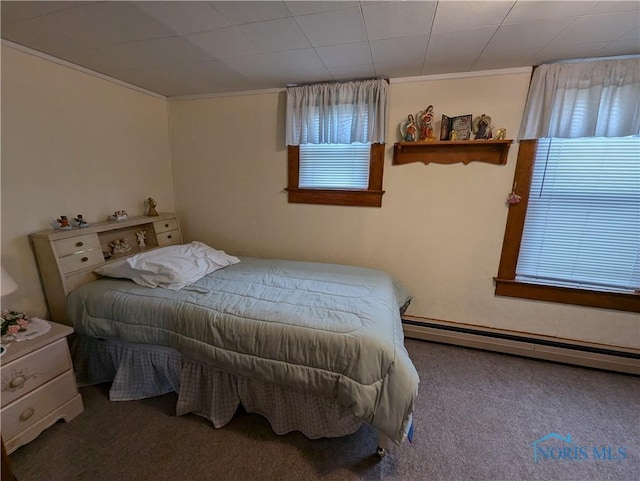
(481, 126)
(141, 236)
(425, 118)
(408, 129)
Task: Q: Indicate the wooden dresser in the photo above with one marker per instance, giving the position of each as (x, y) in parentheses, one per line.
(67, 258)
(38, 386)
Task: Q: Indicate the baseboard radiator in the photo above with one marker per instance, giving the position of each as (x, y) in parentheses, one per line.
(520, 344)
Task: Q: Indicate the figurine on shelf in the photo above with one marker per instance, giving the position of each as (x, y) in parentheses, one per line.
(501, 134)
(141, 235)
(408, 129)
(119, 215)
(64, 223)
(152, 207)
(79, 220)
(119, 246)
(481, 126)
(425, 119)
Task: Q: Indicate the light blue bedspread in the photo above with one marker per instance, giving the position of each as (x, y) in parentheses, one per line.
(323, 328)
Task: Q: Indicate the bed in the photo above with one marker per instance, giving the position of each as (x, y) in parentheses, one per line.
(313, 347)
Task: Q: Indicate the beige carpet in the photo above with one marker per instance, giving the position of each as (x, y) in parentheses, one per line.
(477, 417)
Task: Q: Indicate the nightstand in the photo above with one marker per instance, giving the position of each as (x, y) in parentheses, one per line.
(38, 386)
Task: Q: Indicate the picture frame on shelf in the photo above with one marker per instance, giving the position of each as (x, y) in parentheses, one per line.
(460, 125)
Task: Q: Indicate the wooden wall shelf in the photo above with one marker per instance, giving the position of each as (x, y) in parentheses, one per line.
(452, 151)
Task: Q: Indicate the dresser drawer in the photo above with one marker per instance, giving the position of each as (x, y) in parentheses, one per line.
(166, 238)
(29, 409)
(165, 225)
(73, 245)
(78, 261)
(34, 369)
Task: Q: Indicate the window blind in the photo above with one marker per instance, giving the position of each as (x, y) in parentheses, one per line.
(582, 227)
(334, 166)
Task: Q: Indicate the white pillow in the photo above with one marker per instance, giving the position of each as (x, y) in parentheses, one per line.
(172, 267)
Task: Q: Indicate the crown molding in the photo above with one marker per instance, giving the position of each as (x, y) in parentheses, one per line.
(460, 75)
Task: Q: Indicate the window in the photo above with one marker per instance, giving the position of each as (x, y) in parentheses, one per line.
(335, 136)
(336, 174)
(575, 235)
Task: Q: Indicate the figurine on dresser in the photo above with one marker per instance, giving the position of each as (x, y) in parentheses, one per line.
(152, 207)
(119, 246)
(80, 222)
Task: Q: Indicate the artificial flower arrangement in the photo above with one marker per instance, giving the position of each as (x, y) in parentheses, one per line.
(14, 322)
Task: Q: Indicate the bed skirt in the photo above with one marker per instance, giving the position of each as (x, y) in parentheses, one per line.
(138, 371)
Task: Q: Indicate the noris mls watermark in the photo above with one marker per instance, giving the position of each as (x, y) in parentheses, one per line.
(554, 447)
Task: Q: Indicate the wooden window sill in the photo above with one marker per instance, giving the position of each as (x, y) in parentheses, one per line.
(357, 198)
(583, 297)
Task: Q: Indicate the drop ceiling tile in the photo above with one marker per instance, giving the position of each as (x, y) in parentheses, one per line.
(105, 23)
(183, 18)
(223, 43)
(407, 50)
(457, 16)
(397, 69)
(357, 53)
(389, 20)
(599, 28)
(525, 38)
(530, 11)
(456, 50)
(275, 35)
(304, 8)
(353, 72)
(38, 34)
(464, 45)
(611, 6)
(332, 28)
(569, 50)
(246, 12)
(15, 11)
(254, 66)
(157, 52)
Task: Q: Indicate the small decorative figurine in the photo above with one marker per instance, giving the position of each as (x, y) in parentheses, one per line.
(119, 215)
(79, 220)
(481, 126)
(501, 134)
(152, 207)
(64, 223)
(141, 235)
(119, 246)
(425, 119)
(408, 129)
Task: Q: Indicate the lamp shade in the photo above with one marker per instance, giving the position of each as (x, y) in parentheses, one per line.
(7, 284)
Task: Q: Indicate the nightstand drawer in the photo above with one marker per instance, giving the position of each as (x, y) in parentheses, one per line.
(73, 245)
(29, 409)
(165, 225)
(28, 372)
(167, 238)
(78, 261)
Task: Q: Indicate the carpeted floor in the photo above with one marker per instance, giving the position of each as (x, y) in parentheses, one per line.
(477, 418)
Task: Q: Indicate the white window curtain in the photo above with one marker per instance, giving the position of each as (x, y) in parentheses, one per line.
(598, 98)
(337, 113)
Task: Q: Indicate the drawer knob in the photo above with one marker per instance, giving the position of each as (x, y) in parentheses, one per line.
(17, 382)
(166, 225)
(168, 237)
(85, 259)
(79, 244)
(27, 414)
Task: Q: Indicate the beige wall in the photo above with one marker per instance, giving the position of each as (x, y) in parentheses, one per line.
(72, 143)
(440, 228)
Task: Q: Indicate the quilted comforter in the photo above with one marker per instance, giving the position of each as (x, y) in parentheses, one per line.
(329, 329)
